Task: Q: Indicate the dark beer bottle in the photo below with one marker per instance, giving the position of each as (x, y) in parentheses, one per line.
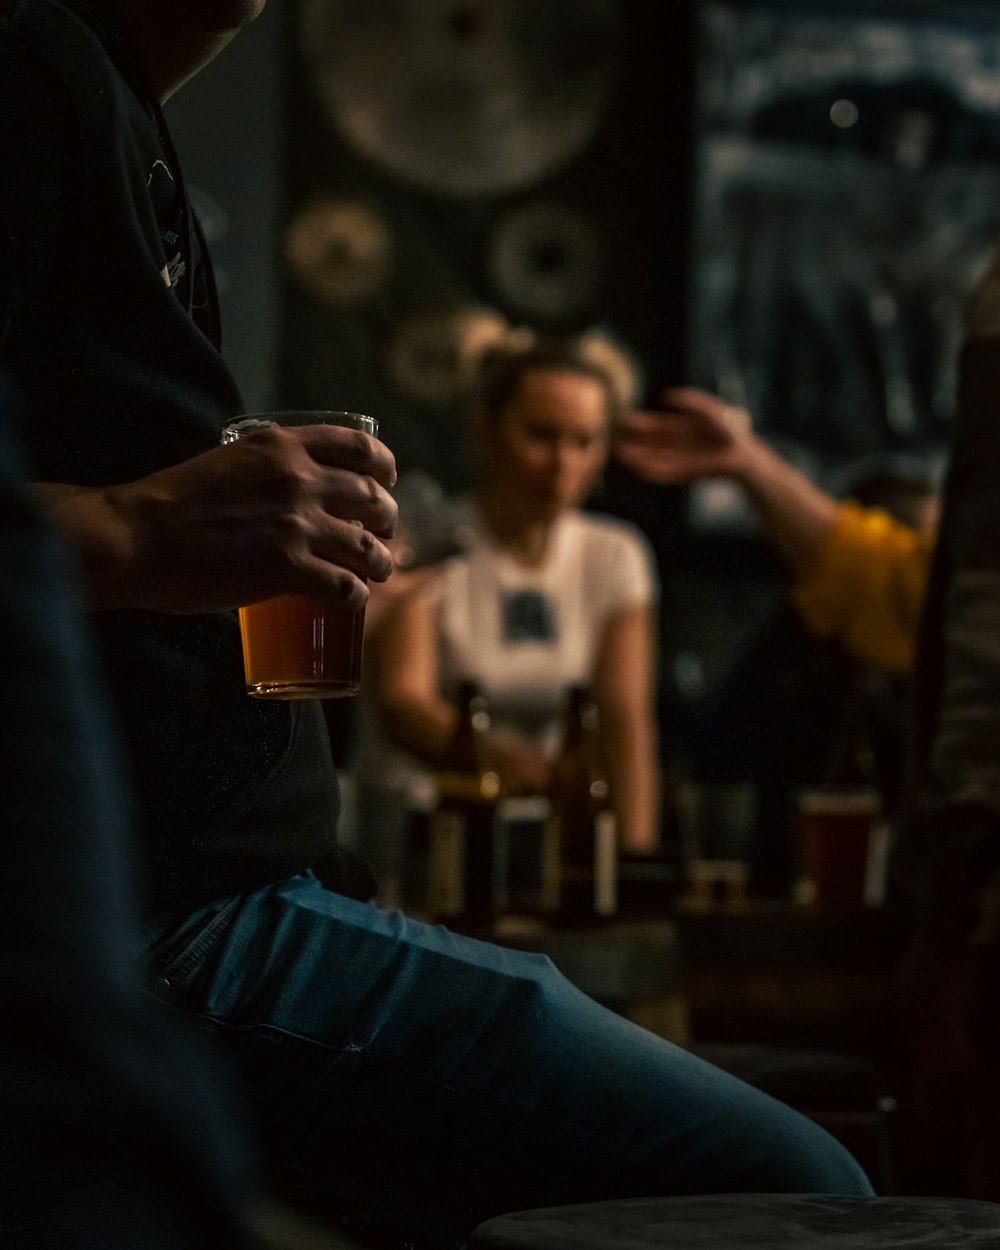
(583, 824)
(463, 881)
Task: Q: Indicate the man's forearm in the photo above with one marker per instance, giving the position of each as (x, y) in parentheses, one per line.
(100, 538)
(284, 512)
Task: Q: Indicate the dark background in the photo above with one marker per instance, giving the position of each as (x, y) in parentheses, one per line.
(783, 201)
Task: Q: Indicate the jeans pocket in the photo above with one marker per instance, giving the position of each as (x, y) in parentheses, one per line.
(175, 950)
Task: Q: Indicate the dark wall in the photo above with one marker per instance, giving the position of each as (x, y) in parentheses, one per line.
(597, 238)
(229, 128)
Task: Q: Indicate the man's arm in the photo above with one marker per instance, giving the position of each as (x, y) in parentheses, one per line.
(285, 511)
(301, 510)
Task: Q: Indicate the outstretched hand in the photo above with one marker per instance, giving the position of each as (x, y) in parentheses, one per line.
(284, 511)
(694, 435)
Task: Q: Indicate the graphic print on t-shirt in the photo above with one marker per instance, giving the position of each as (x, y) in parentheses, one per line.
(527, 616)
(165, 196)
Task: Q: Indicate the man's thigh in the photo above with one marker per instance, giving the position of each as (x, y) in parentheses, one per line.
(403, 1070)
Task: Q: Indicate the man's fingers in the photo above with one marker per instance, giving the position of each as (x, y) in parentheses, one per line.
(354, 547)
(359, 472)
(316, 505)
(359, 497)
(333, 582)
(344, 472)
(376, 557)
(340, 568)
(338, 447)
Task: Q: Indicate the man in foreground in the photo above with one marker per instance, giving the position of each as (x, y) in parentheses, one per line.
(399, 1076)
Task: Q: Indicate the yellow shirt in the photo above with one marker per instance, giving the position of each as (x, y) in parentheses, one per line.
(868, 587)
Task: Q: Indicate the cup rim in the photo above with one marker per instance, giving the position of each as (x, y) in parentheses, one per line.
(252, 422)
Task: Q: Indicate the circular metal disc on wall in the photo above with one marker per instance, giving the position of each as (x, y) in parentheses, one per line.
(463, 97)
(340, 250)
(545, 260)
(431, 354)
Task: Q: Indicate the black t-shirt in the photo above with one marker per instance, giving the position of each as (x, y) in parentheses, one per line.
(108, 321)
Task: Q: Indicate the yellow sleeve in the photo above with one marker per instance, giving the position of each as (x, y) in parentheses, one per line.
(868, 587)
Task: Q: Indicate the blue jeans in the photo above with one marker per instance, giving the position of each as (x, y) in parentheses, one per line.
(418, 1079)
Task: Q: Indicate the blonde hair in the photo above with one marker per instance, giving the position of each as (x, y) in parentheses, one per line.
(497, 372)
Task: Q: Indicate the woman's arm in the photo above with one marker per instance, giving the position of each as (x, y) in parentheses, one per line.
(405, 685)
(413, 714)
(623, 683)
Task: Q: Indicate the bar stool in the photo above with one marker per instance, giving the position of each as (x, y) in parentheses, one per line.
(749, 1222)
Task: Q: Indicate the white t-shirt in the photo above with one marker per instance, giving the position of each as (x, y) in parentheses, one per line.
(524, 635)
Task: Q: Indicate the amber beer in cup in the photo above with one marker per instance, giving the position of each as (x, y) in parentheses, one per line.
(835, 837)
(298, 646)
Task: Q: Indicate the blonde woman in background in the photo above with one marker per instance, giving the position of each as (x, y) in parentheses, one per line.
(545, 597)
